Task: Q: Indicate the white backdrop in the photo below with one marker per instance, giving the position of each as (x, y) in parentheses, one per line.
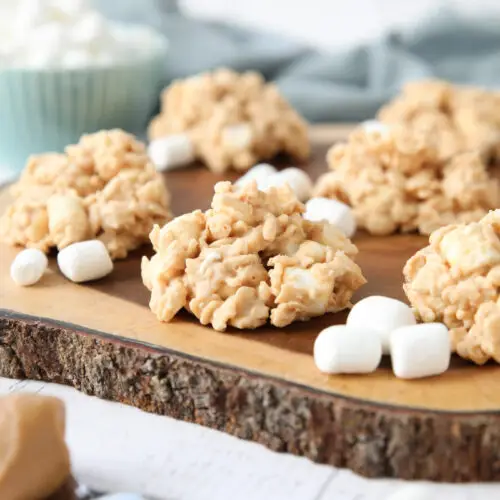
(328, 24)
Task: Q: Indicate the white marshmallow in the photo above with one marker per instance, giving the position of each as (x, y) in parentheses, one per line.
(417, 492)
(382, 314)
(259, 173)
(91, 29)
(85, 261)
(40, 33)
(28, 267)
(237, 137)
(420, 350)
(343, 349)
(44, 45)
(375, 127)
(171, 151)
(76, 59)
(296, 178)
(333, 211)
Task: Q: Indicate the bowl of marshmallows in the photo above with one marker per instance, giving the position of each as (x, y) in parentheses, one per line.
(65, 70)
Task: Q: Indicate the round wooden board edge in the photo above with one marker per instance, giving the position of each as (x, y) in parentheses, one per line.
(371, 439)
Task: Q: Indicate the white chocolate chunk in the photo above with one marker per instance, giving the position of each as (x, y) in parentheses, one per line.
(343, 349)
(375, 127)
(28, 267)
(296, 178)
(171, 151)
(333, 211)
(381, 314)
(420, 350)
(85, 261)
(259, 173)
(237, 137)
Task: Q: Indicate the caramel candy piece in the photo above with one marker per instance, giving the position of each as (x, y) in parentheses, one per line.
(66, 492)
(34, 459)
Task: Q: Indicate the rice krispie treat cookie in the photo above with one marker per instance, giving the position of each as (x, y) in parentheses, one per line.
(249, 259)
(454, 118)
(104, 187)
(234, 120)
(395, 180)
(456, 280)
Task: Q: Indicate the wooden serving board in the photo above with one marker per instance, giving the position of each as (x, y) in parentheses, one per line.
(259, 385)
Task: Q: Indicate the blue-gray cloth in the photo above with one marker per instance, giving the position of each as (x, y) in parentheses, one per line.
(345, 85)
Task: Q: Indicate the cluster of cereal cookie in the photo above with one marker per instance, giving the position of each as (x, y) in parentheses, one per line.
(456, 280)
(396, 180)
(105, 187)
(249, 259)
(233, 121)
(452, 118)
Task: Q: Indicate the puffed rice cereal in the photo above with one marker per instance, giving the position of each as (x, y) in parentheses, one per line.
(454, 118)
(104, 187)
(249, 259)
(234, 120)
(456, 280)
(397, 181)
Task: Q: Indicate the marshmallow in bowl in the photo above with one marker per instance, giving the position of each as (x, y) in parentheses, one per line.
(66, 34)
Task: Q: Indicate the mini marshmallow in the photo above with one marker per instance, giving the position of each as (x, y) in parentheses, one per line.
(333, 211)
(382, 314)
(90, 30)
(237, 137)
(344, 349)
(171, 151)
(296, 178)
(416, 492)
(85, 261)
(259, 173)
(420, 350)
(28, 267)
(375, 127)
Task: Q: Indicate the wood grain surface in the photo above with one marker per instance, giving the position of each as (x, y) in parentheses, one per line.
(260, 385)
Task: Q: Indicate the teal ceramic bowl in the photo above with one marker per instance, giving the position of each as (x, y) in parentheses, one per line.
(44, 110)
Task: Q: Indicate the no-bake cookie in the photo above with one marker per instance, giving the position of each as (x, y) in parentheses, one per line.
(234, 120)
(454, 118)
(456, 280)
(251, 258)
(104, 187)
(395, 180)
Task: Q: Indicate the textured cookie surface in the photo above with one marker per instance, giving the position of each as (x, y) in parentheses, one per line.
(234, 120)
(249, 259)
(396, 181)
(456, 280)
(104, 187)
